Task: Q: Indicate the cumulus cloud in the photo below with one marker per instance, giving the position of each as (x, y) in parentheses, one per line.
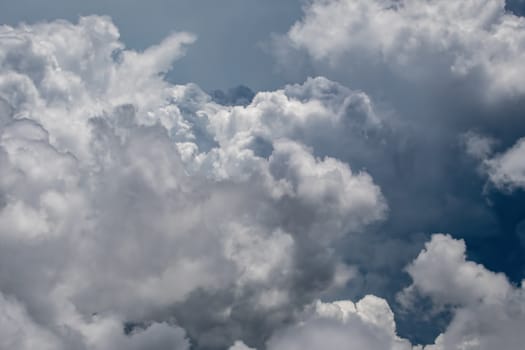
(445, 41)
(367, 324)
(128, 200)
(437, 71)
(487, 310)
(140, 214)
(505, 170)
(20, 331)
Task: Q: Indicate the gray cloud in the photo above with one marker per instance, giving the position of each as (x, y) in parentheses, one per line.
(137, 213)
(147, 202)
(487, 310)
(436, 71)
(507, 170)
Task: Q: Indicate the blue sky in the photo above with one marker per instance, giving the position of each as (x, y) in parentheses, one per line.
(232, 35)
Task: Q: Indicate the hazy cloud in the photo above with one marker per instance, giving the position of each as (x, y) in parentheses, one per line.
(507, 170)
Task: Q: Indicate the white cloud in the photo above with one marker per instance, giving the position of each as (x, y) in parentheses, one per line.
(507, 170)
(442, 272)
(20, 331)
(487, 311)
(443, 44)
(122, 196)
(478, 146)
(239, 346)
(367, 324)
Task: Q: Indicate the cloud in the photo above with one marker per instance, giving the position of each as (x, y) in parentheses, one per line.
(487, 311)
(436, 72)
(136, 213)
(239, 346)
(240, 95)
(20, 331)
(442, 272)
(367, 324)
(506, 170)
(478, 146)
(126, 199)
(440, 43)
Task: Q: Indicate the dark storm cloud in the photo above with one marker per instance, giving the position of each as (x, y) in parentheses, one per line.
(435, 82)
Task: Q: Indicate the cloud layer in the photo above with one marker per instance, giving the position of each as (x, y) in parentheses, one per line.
(139, 214)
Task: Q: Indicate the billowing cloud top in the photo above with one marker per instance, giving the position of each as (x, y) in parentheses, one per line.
(134, 196)
(140, 214)
(450, 42)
